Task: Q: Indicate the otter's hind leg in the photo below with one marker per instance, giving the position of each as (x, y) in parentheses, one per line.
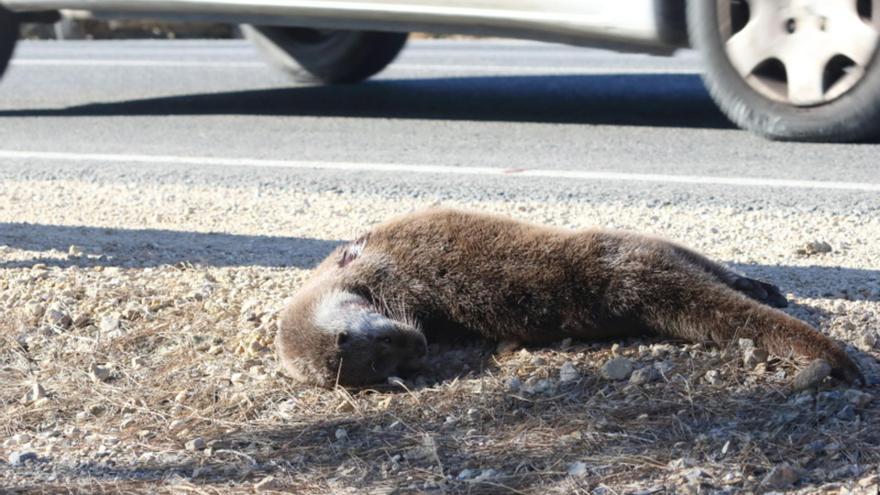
(690, 307)
(758, 290)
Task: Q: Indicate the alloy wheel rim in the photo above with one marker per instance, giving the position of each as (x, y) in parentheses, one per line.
(800, 52)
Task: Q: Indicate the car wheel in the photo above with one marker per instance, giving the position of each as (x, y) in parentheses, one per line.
(807, 70)
(329, 57)
(8, 37)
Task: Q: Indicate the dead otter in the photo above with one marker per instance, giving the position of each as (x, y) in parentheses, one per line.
(362, 316)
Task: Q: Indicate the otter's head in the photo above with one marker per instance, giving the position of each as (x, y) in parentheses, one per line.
(341, 338)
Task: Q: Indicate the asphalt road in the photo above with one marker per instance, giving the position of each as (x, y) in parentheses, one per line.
(607, 118)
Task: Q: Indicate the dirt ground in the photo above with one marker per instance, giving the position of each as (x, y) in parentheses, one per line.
(137, 357)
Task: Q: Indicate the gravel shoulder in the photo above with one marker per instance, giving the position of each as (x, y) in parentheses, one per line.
(139, 312)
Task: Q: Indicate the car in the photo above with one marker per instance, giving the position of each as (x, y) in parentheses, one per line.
(787, 69)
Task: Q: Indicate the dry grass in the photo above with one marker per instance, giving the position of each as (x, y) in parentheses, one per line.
(190, 365)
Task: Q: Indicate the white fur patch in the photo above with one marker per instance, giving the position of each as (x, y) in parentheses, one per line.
(339, 311)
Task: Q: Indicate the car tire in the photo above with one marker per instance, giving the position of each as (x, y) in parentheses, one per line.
(779, 97)
(8, 37)
(326, 57)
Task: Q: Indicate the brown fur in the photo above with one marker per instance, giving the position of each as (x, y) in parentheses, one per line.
(509, 280)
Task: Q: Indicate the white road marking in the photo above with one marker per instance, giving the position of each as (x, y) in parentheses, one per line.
(536, 69)
(97, 62)
(400, 168)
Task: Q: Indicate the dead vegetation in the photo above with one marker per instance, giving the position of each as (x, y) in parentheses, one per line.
(179, 393)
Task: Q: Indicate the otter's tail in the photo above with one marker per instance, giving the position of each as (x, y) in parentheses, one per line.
(712, 311)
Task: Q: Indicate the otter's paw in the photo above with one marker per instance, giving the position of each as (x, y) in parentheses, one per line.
(762, 292)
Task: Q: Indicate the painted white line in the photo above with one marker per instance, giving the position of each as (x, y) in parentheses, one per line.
(532, 69)
(579, 175)
(73, 62)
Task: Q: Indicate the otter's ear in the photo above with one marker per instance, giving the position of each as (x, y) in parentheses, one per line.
(341, 338)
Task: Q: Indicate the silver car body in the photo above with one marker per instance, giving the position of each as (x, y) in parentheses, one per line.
(639, 25)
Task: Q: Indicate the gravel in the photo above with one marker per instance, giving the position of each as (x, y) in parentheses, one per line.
(145, 306)
(781, 476)
(21, 457)
(617, 369)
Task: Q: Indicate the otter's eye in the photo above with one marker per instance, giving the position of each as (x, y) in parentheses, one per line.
(386, 340)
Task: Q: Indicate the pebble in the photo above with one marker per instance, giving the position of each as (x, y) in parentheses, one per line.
(866, 342)
(577, 469)
(20, 457)
(514, 385)
(486, 474)
(341, 434)
(195, 444)
(466, 474)
(36, 393)
(617, 369)
(568, 372)
(35, 310)
(664, 367)
(658, 350)
(267, 484)
(752, 357)
(858, 398)
(644, 375)
(814, 247)
(58, 318)
(811, 375)
(713, 377)
(537, 386)
(848, 413)
(100, 373)
(109, 323)
(781, 476)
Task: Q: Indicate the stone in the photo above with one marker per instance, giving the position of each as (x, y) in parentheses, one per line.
(537, 386)
(486, 474)
(752, 357)
(465, 474)
(341, 434)
(58, 318)
(568, 372)
(866, 342)
(644, 375)
(100, 373)
(664, 367)
(109, 323)
(577, 469)
(847, 413)
(514, 385)
(815, 247)
(858, 398)
(196, 444)
(617, 369)
(267, 484)
(36, 393)
(780, 477)
(811, 376)
(35, 310)
(713, 377)
(20, 457)
(658, 350)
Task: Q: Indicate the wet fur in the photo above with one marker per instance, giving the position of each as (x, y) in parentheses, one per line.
(509, 280)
